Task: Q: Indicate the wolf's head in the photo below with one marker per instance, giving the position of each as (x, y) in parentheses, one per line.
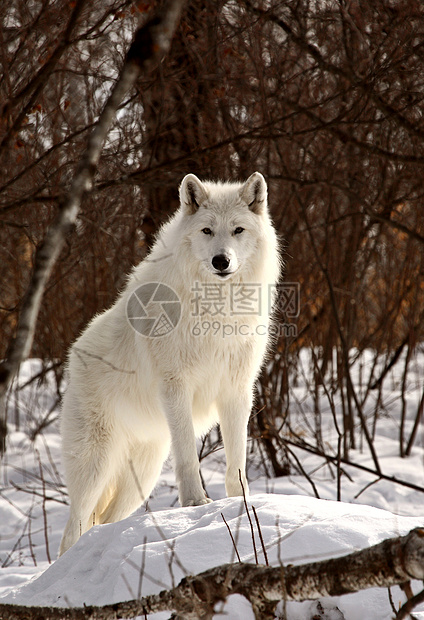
(224, 222)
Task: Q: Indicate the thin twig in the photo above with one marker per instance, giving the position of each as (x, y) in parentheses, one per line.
(143, 564)
(231, 536)
(78, 351)
(308, 448)
(260, 536)
(250, 520)
(43, 505)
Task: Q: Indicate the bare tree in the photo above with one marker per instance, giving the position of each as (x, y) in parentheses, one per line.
(151, 42)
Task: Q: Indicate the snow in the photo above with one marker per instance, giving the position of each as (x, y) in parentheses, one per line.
(104, 566)
(154, 548)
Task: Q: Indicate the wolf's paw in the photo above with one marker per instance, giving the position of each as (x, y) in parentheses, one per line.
(197, 502)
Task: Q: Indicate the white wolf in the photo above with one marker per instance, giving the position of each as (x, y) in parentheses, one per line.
(133, 393)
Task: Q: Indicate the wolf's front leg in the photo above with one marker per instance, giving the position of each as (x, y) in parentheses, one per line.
(178, 411)
(234, 415)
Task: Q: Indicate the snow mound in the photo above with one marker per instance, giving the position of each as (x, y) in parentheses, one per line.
(106, 565)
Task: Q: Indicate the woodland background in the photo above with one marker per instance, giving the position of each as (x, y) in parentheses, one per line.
(325, 98)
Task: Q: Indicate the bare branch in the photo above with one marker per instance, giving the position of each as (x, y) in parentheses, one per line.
(410, 604)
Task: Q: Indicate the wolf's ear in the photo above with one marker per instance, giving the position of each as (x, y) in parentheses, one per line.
(192, 194)
(254, 193)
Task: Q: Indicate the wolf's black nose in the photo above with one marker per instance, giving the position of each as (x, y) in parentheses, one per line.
(220, 262)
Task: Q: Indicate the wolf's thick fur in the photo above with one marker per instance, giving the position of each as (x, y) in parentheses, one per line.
(131, 398)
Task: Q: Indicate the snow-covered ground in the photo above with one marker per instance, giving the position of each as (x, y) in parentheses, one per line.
(154, 548)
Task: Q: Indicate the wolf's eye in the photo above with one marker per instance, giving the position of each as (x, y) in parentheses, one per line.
(238, 230)
(206, 231)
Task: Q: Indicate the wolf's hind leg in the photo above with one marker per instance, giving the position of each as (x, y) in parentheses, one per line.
(89, 481)
(136, 480)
